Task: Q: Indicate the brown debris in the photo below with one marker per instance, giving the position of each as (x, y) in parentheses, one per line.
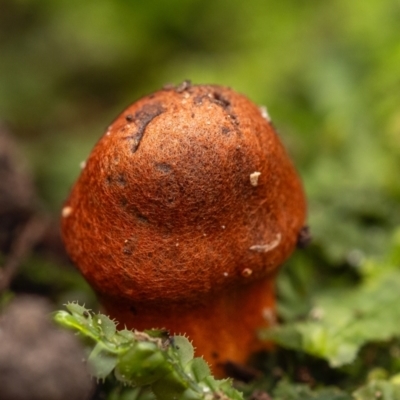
(304, 238)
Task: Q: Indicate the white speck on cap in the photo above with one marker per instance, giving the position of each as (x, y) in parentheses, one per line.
(247, 272)
(254, 178)
(264, 113)
(265, 248)
(66, 211)
(269, 315)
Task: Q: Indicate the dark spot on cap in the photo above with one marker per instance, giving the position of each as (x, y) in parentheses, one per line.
(121, 180)
(234, 118)
(219, 99)
(133, 310)
(123, 202)
(142, 118)
(128, 247)
(163, 167)
(198, 100)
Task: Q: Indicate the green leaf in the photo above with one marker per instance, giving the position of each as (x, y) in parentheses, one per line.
(171, 387)
(198, 368)
(142, 364)
(107, 325)
(288, 391)
(76, 309)
(344, 319)
(101, 362)
(147, 360)
(378, 390)
(183, 348)
(138, 393)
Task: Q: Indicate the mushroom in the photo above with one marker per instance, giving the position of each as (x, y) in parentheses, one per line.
(183, 213)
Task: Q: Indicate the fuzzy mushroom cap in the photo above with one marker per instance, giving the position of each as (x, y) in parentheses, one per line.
(189, 193)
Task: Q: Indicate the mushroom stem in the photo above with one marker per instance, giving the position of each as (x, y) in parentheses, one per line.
(223, 328)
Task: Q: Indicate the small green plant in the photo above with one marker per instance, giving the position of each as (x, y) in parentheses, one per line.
(344, 319)
(156, 365)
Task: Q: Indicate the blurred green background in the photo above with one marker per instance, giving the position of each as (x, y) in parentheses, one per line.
(328, 71)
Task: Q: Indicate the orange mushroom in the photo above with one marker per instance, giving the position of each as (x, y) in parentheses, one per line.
(182, 215)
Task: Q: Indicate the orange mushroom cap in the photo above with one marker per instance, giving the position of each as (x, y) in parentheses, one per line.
(183, 213)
